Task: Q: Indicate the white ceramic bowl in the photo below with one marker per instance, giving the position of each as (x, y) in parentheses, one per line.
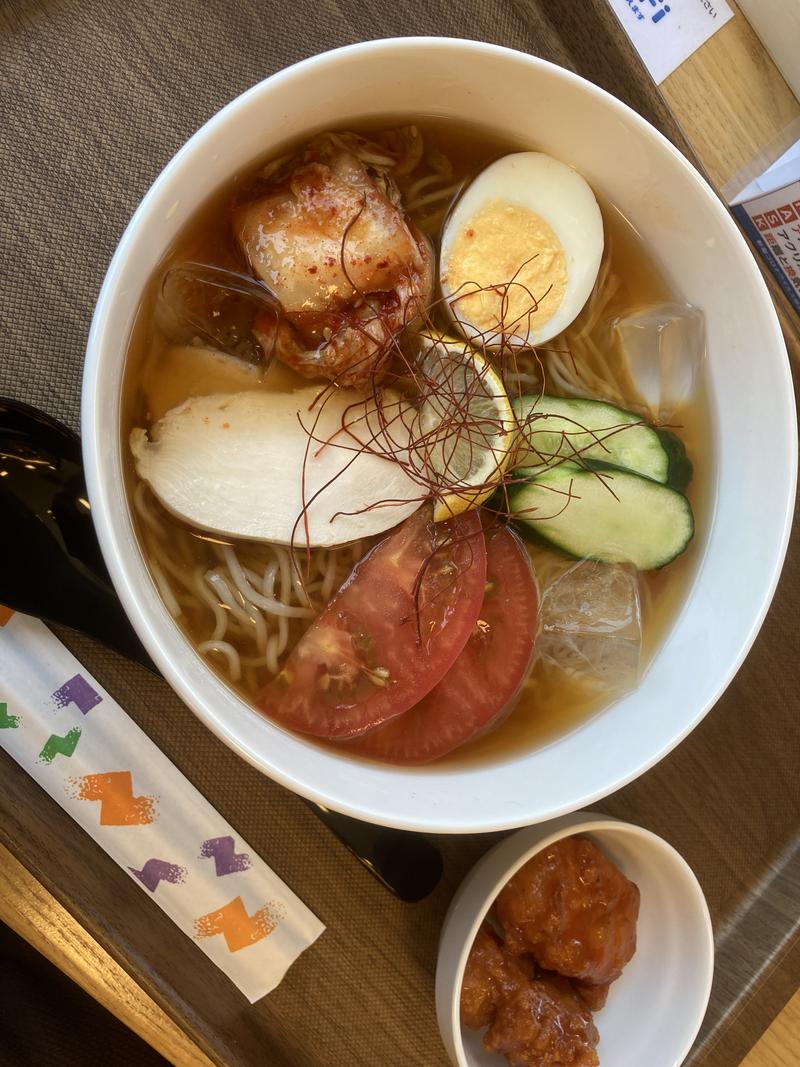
(688, 231)
(655, 1009)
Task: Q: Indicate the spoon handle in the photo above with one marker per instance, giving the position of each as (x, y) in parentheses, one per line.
(406, 863)
(96, 613)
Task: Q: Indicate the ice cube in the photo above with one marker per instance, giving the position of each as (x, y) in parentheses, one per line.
(665, 348)
(591, 625)
(213, 307)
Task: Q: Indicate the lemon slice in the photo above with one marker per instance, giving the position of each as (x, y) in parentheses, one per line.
(467, 428)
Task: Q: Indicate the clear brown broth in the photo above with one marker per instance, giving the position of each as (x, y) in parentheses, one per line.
(550, 704)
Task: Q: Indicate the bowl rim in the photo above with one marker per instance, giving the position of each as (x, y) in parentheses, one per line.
(122, 566)
(522, 846)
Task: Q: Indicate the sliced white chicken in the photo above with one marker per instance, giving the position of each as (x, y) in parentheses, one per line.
(312, 467)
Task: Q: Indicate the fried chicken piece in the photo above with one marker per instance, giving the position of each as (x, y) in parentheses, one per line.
(328, 235)
(491, 975)
(544, 1024)
(573, 911)
(593, 996)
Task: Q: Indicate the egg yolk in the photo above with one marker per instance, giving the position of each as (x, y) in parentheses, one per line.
(507, 271)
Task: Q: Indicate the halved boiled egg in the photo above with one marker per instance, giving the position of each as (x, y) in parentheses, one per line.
(521, 250)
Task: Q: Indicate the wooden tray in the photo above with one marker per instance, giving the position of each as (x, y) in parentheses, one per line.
(102, 94)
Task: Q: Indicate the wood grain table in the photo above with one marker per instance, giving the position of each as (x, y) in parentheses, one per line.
(87, 917)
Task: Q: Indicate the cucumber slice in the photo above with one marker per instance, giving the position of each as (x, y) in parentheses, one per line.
(680, 466)
(608, 515)
(556, 429)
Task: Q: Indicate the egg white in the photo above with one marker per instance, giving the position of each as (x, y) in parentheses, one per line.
(565, 201)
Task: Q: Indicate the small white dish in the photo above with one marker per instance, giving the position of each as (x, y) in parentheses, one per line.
(655, 1009)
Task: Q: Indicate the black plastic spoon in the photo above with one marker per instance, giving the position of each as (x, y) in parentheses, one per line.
(54, 570)
(53, 565)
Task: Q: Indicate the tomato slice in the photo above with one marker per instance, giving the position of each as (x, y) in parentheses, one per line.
(487, 675)
(389, 635)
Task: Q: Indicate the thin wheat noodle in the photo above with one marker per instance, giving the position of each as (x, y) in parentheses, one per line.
(226, 595)
(283, 635)
(168, 567)
(272, 654)
(285, 584)
(434, 197)
(254, 661)
(228, 651)
(165, 589)
(363, 152)
(433, 220)
(416, 197)
(187, 547)
(329, 579)
(260, 624)
(416, 188)
(264, 582)
(205, 594)
(268, 581)
(294, 575)
(586, 369)
(246, 590)
(144, 512)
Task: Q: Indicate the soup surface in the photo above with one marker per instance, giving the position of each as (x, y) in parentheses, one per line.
(243, 603)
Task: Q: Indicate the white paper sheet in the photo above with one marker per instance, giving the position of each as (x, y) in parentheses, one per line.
(59, 724)
(666, 32)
